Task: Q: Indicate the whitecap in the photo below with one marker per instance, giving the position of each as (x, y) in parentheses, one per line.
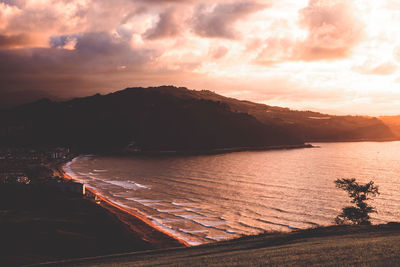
(217, 238)
(173, 232)
(181, 203)
(127, 184)
(144, 202)
(170, 210)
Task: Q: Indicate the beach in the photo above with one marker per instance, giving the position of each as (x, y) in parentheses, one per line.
(141, 226)
(39, 223)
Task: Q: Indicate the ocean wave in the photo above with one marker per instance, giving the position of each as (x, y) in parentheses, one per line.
(173, 232)
(210, 224)
(181, 203)
(144, 202)
(169, 210)
(123, 205)
(127, 184)
(189, 217)
(193, 231)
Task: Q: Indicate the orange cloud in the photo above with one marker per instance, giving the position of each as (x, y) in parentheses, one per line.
(14, 41)
(218, 52)
(333, 29)
(396, 53)
(332, 32)
(386, 68)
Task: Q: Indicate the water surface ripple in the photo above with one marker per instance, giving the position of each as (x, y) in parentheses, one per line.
(215, 197)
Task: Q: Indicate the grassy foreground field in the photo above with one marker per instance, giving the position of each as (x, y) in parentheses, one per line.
(328, 246)
(39, 224)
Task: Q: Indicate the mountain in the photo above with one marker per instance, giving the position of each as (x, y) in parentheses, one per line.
(308, 125)
(10, 99)
(393, 122)
(150, 119)
(171, 118)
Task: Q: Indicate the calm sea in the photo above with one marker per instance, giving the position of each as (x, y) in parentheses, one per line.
(209, 198)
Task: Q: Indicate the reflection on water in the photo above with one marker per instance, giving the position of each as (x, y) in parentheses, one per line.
(209, 198)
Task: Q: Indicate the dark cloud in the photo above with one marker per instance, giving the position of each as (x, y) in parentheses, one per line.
(95, 55)
(218, 22)
(62, 40)
(10, 41)
(137, 11)
(168, 25)
(18, 3)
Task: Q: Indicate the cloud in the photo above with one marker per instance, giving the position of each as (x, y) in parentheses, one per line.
(18, 3)
(333, 29)
(332, 32)
(386, 68)
(64, 41)
(218, 52)
(167, 26)
(93, 56)
(396, 53)
(164, 2)
(276, 50)
(218, 21)
(12, 41)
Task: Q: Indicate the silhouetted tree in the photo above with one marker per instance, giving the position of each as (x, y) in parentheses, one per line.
(359, 193)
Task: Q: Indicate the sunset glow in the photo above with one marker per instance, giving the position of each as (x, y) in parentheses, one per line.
(335, 56)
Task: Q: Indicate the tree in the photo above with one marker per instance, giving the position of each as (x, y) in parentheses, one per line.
(359, 193)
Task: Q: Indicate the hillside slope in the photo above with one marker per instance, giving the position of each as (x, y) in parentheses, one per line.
(170, 118)
(308, 125)
(145, 119)
(393, 122)
(330, 246)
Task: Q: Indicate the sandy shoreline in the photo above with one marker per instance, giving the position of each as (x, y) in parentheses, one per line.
(139, 225)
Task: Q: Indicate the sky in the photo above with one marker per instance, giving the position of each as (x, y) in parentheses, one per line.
(333, 56)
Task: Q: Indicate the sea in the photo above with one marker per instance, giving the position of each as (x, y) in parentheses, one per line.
(209, 198)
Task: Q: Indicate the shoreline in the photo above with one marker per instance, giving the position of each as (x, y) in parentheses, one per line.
(214, 151)
(138, 224)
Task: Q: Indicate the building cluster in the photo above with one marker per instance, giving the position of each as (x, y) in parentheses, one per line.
(34, 154)
(14, 178)
(31, 166)
(28, 165)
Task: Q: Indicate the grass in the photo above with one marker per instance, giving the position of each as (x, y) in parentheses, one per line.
(39, 224)
(326, 246)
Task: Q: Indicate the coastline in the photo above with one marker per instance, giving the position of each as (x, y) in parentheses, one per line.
(212, 151)
(139, 225)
